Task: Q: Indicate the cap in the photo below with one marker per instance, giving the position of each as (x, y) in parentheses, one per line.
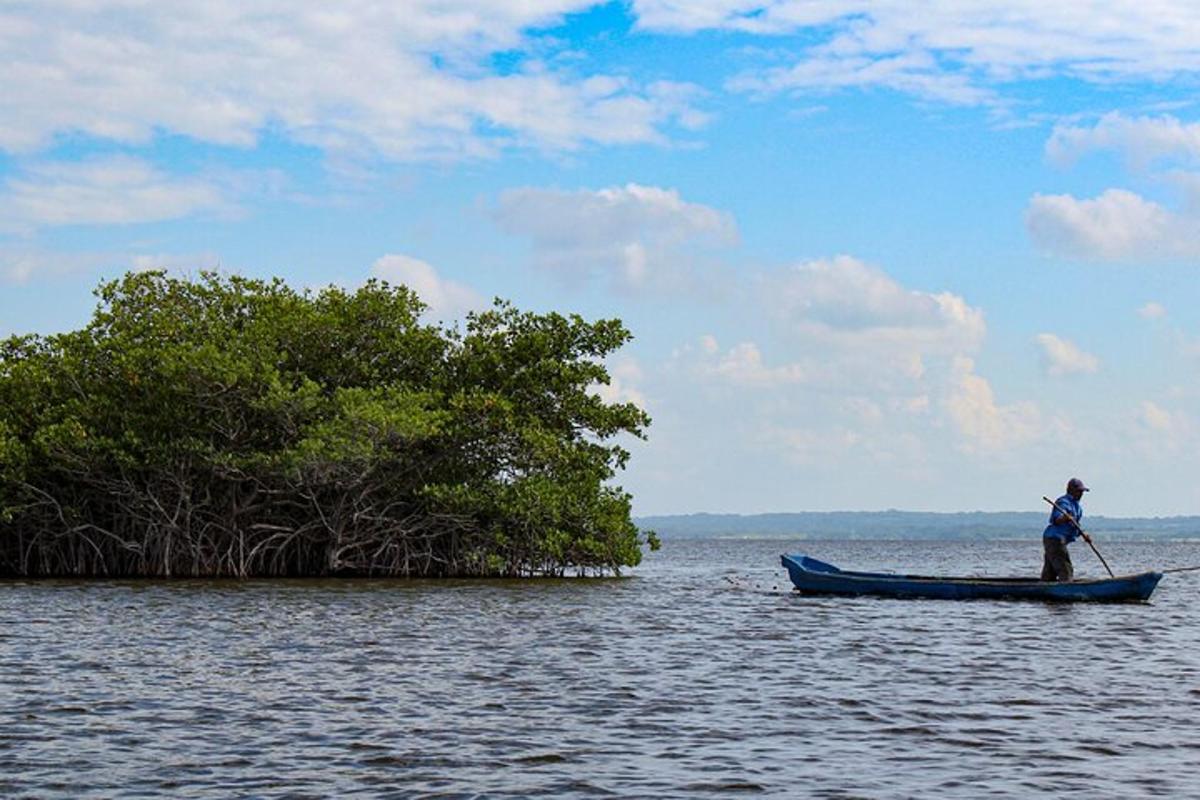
(1076, 484)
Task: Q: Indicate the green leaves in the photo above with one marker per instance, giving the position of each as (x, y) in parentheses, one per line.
(227, 425)
(361, 428)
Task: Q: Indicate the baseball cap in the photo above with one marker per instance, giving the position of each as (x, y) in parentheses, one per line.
(1075, 483)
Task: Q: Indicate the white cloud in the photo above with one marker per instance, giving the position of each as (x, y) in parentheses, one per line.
(1161, 429)
(1141, 140)
(1152, 310)
(863, 355)
(1119, 225)
(1155, 417)
(853, 448)
(828, 444)
(949, 50)
(402, 81)
(625, 374)
(635, 235)
(986, 425)
(1186, 345)
(863, 409)
(857, 313)
(743, 365)
(1116, 226)
(18, 268)
(911, 73)
(1187, 184)
(850, 371)
(445, 298)
(109, 191)
(1063, 357)
(756, 16)
(858, 357)
(174, 262)
(19, 265)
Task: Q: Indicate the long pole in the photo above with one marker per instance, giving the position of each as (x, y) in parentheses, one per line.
(1086, 538)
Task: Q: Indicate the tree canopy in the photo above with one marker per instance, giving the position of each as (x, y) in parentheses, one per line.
(237, 427)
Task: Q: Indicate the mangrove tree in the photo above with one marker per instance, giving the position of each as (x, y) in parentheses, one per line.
(226, 426)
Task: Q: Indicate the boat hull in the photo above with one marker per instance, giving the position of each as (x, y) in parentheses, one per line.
(811, 576)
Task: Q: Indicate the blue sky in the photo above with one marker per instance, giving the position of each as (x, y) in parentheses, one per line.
(873, 257)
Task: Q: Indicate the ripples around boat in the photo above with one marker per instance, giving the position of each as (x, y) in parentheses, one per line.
(700, 675)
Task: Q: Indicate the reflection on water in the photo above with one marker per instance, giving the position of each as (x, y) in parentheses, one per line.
(701, 675)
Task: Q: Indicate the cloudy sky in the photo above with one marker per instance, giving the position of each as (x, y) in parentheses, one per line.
(872, 258)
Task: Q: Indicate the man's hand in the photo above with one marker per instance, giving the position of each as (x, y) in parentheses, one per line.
(1085, 536)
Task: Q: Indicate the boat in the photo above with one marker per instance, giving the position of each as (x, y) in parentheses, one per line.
(811, 576)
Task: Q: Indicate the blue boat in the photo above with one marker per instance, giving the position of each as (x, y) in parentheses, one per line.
(811, 576)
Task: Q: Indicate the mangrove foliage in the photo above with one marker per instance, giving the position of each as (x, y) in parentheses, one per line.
(224, 426)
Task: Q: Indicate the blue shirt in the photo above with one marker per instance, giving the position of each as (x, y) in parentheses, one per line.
(1060, 527)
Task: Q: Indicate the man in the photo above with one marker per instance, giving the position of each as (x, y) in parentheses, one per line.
(1061, 532)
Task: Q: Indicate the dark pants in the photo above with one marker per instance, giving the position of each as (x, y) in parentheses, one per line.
(1057, 564)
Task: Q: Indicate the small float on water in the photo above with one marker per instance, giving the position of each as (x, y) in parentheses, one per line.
(811, 576)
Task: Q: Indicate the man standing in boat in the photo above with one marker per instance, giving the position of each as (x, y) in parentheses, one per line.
(1061, 532)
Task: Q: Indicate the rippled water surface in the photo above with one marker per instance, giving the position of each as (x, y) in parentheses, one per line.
(701, 675)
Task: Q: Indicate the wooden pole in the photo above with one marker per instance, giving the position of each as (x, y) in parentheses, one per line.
(1086, 537)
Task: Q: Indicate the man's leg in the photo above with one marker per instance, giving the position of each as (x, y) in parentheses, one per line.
(1048, 573)
(1066, 570)
(1057, 564)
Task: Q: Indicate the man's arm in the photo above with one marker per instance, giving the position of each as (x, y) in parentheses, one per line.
(1066, 516)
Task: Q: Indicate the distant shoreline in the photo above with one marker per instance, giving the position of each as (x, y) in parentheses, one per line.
(992, 525)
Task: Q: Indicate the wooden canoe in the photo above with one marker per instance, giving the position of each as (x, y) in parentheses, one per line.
(811, 576)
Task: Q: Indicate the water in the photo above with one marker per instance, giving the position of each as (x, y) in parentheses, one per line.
(702, 676)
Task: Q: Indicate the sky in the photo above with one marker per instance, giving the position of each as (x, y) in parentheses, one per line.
(937, 256)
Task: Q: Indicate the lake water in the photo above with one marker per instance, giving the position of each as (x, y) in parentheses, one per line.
(700, 675)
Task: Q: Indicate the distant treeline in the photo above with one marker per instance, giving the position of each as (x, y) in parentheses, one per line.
(904, 525)
(232, 427)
